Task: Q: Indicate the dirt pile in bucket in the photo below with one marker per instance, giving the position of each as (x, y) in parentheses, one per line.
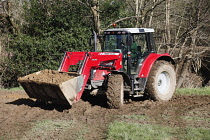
(48, 77)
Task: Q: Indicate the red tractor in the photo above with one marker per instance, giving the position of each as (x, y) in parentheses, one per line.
(128, 66)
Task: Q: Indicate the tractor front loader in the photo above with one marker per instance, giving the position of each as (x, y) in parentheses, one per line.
(128, 66)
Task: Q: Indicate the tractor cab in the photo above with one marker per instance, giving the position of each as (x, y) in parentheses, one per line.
(134, 43)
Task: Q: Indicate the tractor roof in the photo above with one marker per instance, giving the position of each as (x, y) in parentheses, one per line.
(131, 30)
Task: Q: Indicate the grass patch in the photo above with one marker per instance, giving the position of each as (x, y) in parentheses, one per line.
(12, 89)
(42, 127)
(136, 131)
(136, 117)
(48, 129)
(2, 138)
(193, 91)
(196, 119)
(199, 122)
(135, 127)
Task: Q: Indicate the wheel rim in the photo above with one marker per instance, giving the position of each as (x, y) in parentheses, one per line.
(163, 83)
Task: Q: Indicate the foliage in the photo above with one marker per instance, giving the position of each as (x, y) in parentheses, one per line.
(53, 16)
(111, 11)
(36, 33)
(52, 28)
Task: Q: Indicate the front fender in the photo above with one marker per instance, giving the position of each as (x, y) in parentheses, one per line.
(126, 78)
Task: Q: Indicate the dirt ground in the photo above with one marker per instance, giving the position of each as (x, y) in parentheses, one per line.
(90, 119)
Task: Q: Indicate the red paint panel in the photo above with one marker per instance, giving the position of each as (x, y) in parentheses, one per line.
(148, 62)
(71, 58)
(92, 60)
(99, 74)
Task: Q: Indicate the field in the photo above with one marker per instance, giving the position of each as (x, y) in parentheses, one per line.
(186, 116)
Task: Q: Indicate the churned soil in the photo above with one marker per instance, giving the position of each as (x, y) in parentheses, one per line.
(48, 76)
(19, 114)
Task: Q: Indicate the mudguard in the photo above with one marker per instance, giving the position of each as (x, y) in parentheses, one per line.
(126, 78)
(147, 64)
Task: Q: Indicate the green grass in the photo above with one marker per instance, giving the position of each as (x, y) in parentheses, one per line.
(47, 129)
(12, 89)
(196, 119)
(136, 131)
(135, 117)
(42, 127)
(193, 91)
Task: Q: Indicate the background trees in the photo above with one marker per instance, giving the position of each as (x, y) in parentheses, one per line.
(36, 33)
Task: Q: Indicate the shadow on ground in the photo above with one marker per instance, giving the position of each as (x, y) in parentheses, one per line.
(97, 100)
(42, 104)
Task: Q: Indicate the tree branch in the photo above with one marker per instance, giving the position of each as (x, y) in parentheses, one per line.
(154, 6)
(119, 20)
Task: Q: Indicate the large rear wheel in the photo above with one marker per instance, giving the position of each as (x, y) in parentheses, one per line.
(115, 91)
(161, 81)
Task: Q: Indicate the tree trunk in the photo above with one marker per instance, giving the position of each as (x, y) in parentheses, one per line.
(96, 20)
(187, 61)
(137, 13)
(9, 17)
(168, 33)
(151, 15)
(184, 71)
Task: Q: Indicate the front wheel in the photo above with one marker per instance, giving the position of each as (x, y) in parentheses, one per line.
(161, 81)
(115, 91)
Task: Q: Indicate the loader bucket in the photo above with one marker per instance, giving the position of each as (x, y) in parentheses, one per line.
(50, 85)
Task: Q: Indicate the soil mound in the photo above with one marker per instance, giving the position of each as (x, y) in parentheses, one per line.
(50, 85)
(48, 76)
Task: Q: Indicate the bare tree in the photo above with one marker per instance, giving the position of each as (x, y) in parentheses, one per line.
(10, 12)
(197, 18)
(167, 27)
(93, 5)
(140, 10)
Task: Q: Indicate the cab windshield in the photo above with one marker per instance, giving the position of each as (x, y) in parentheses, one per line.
(137, 51)
(114, 42)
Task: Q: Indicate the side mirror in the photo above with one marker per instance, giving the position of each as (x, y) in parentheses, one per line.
(129, 40)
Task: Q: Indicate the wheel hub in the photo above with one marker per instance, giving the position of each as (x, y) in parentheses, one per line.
(163, 83)
(160, 82)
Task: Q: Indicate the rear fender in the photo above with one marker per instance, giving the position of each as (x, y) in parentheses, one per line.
(147, 64)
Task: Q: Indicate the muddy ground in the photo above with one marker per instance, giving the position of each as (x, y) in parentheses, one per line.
(87, 119)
